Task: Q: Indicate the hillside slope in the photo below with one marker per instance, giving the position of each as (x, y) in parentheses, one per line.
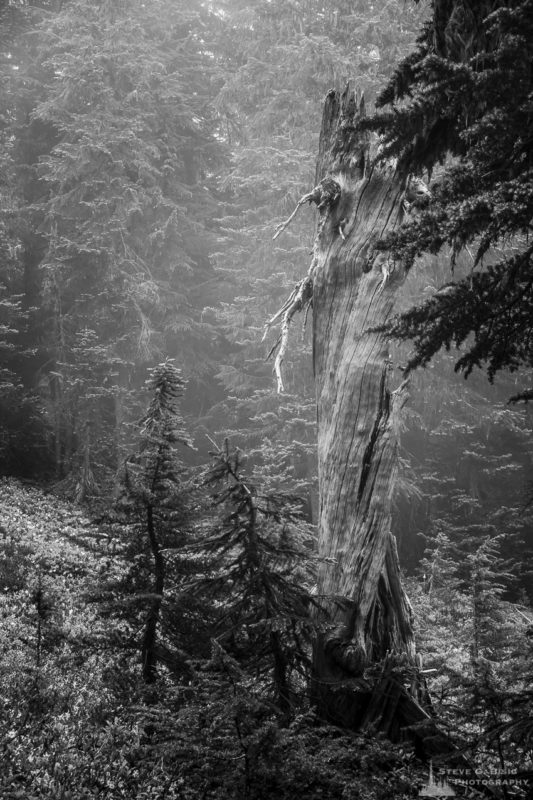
(61, 663)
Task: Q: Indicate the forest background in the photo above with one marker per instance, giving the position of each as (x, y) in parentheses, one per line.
(149, 150)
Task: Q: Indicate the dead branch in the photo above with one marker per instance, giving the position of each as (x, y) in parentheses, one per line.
(325, 194)
(300, 296)
(307, 198)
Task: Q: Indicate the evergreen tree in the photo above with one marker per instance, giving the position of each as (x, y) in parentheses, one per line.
(115, 149)
(24, 434)
(152, 487)
(464, 94)
(258, 570)
(280, 60)
(489, 580)
(465, 454)
(475, 644)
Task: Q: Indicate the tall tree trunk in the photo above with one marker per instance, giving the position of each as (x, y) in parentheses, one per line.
(353, 293)
(149, 643)
(120, 393)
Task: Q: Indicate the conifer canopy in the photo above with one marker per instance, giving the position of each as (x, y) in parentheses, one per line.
(463, 98)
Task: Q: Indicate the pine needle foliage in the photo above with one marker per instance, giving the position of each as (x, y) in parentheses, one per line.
(464, 97)
(113, 151)
(280, 60)
(162, 428)
(261, 576)
(153, 489)
(476, 644)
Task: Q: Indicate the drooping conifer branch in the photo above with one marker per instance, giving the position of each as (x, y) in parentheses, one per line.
(483, 197)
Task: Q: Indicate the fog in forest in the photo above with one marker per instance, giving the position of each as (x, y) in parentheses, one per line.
(164, 617)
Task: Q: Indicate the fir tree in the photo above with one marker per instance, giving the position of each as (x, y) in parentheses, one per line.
(465, 463)
(259, 573)
(280, 60)
(115, 150)
(475, 642)
(24, 433)
(152, 487)
(464, 94)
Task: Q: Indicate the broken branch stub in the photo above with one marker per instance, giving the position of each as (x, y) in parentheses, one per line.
(357, 413)
(298, 299)
(339, 125)
(325, 195)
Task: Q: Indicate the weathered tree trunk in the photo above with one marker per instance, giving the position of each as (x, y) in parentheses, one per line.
(366, 672)
(358, 403)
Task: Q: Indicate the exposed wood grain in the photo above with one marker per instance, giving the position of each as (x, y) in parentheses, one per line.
(357, 413)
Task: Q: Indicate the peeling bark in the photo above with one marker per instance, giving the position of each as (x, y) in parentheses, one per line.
(366, 671)
(370, 615)
(352, 287)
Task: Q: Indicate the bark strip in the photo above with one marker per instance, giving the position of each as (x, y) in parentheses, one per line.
(370, 617)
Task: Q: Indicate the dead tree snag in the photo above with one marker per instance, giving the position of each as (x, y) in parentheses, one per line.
(352, 287)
